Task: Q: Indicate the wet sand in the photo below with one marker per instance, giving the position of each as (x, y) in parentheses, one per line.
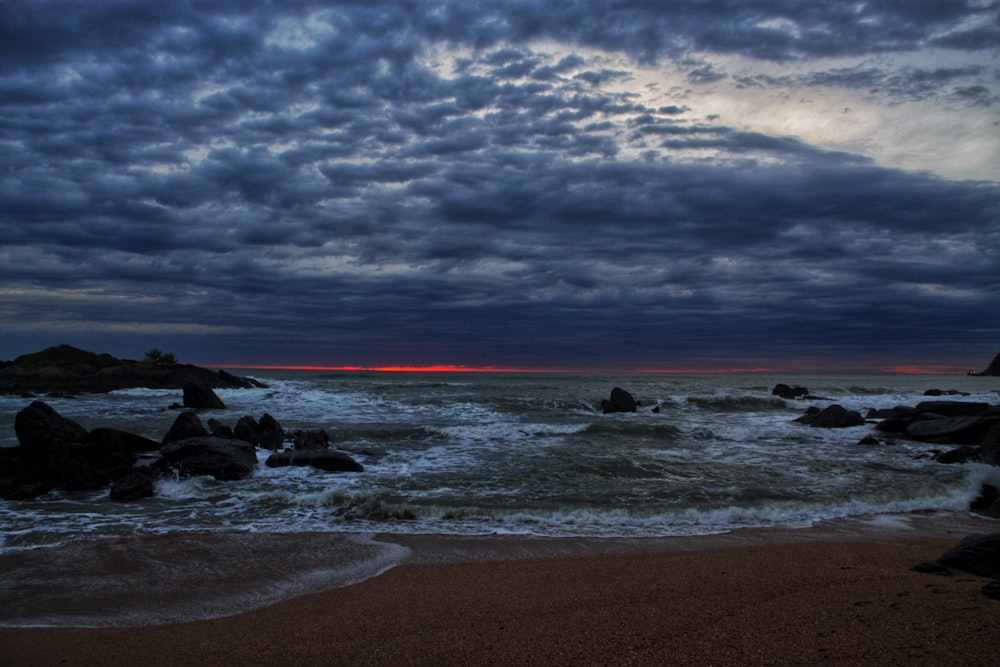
(844, 596)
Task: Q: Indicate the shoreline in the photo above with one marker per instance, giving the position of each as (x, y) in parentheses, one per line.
(841, 592)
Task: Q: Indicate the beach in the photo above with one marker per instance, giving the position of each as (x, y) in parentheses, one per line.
(842, 594)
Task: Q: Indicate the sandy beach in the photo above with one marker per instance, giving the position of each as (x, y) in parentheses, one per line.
(779, 598)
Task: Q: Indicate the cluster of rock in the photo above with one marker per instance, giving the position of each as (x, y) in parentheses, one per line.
(55, 452)
(619, 401)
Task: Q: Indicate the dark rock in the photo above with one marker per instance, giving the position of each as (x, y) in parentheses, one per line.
(135, 485)
(187, 425)
(834, 416)
(987, 502)
(966, 430)
(271, 434)
(785, 391)
(41, 429)
(991, 590)
(308, 440)
(330, 460)
(114, 439)
(222, 459)
(933, 568)
(201, 397)
(945, 392)
(621, 401)
(953, 408)
(870, 441)
(976, 554)
(958, 455)
(220, 430)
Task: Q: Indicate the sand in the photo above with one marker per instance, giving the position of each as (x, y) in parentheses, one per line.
(829, 599)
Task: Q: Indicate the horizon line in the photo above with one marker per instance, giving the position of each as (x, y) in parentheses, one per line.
(906, 369)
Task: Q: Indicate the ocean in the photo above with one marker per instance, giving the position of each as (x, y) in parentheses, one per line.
(524, 454)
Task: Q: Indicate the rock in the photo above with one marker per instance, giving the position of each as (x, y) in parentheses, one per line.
(621, 401)
(870, 441)
(987, 502)
(976, 554)
(271, 434)
(308, 440)
(187, 425)
(201, 397)
(267, 433)
(784, 391)
(330, 460)
(967, 430)
(110, 438)
(958, 455)
(991, 590)
(41, 429)
(135, 485)
(834, 416)
(945, 392)
(220, 430)
(220, 458)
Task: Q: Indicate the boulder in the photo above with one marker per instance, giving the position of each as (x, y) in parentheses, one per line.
(187, 425)
(330, 460)
(620, 401)
(135, 485)
(834, 416)
(976, 554)
(309, 440)
(220, 458)
(110, 438)
(267, 433)
(963, 454)
(785, 391)
(41, 429)
(963, 430)
(220, 430)
(201, 397)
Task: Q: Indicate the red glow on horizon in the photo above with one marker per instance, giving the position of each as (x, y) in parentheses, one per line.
(761, 368)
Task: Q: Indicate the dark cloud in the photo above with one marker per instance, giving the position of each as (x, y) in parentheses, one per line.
(365, 183)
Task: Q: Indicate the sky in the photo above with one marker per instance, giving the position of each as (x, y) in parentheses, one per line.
(564, 185)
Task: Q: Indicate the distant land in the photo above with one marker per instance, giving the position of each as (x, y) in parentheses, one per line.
(992, 369)
(69, 370)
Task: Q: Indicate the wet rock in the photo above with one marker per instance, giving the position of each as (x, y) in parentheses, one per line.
(620, 401)
(976, 554)
(267, 433)
(330, 460)
(220, 430)
(783, 390)
(312, 439)
(201, 397)
(187, 425)
(114, 439)
(135, 485)
(220, 458)
(834, 416)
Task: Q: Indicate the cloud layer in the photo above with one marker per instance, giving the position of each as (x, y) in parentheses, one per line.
(549, 185)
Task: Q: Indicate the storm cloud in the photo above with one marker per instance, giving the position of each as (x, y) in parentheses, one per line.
(606, 185)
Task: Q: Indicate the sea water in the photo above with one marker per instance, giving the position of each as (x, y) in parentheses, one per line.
(524, 454)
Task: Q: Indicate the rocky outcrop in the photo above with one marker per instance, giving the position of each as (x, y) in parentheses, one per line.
(223, 459)
(992, 369)
(834, 416)
(267, 433)
(201, 397)
(55, 452)
(330, 460)
(783, 390)
(66, 370)
(945, 422)
(976, 554)
(187, 425)
(620, 401)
